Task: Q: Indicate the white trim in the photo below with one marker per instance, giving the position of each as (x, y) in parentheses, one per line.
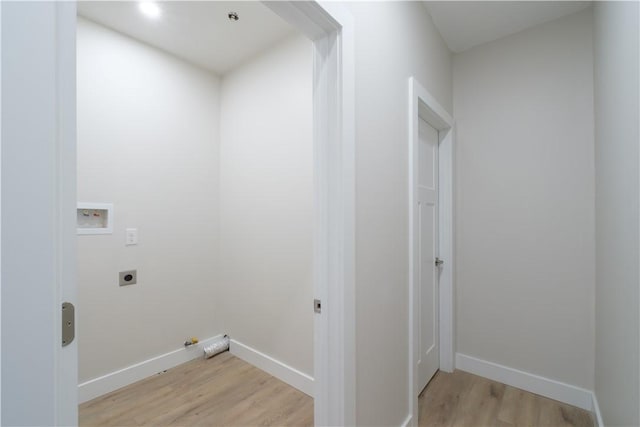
(281, 371)
(408, 421)
(423, 105)
(139, 371)
(595, 408)
(546, 387)
(330, 26)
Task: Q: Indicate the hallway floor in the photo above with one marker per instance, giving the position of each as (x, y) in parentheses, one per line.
(463, 399)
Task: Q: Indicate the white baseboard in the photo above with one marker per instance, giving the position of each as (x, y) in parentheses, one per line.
(552, 389)
(118, 379)
(407, 421)
(596, 411)
(285, 373)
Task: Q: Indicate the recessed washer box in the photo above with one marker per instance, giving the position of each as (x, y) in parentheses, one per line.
(95, 218)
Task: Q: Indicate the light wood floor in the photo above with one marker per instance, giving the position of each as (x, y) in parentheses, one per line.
(227, 391)
(220, 391)
(463, 399)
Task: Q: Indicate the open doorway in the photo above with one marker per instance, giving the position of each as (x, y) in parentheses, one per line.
(195, 214)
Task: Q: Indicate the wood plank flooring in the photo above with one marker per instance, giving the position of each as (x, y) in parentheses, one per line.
(220, 391)
(226, 391)
(463, 399)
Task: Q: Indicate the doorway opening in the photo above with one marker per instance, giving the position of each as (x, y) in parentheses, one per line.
(195, 129)
(430, 241)
(329, 27)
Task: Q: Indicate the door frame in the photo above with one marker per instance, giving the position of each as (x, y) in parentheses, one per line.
(423, 105)
(330, 27)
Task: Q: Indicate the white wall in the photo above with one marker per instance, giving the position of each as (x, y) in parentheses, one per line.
(266, 290)
(617, 362)
(393, 41)
(525, 194)
(148, 143)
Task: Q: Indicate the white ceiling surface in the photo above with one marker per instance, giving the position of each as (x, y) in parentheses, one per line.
(196, 31)
(465, 24)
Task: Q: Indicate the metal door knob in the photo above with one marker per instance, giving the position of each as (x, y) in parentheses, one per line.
(439, 262)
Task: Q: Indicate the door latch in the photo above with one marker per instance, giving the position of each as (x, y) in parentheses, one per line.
(439, 262)
(317, 306)
(68, 323)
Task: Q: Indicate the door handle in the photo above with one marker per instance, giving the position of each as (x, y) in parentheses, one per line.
(439, 262)
(68, 323)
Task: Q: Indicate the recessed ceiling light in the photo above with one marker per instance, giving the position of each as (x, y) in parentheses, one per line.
(150, 9)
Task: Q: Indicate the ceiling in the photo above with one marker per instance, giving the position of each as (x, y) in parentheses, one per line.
(465, 24)
(196, 31)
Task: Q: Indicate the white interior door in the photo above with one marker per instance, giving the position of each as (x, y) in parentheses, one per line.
(39, 375)
(426, 243)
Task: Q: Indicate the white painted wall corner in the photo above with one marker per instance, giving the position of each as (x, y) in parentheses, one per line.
(131, 374)
(283, 372)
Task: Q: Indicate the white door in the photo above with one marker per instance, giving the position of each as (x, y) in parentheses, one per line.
(39, 375)
(426, 244)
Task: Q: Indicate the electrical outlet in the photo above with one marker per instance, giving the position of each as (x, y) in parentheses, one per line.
(129, 277)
